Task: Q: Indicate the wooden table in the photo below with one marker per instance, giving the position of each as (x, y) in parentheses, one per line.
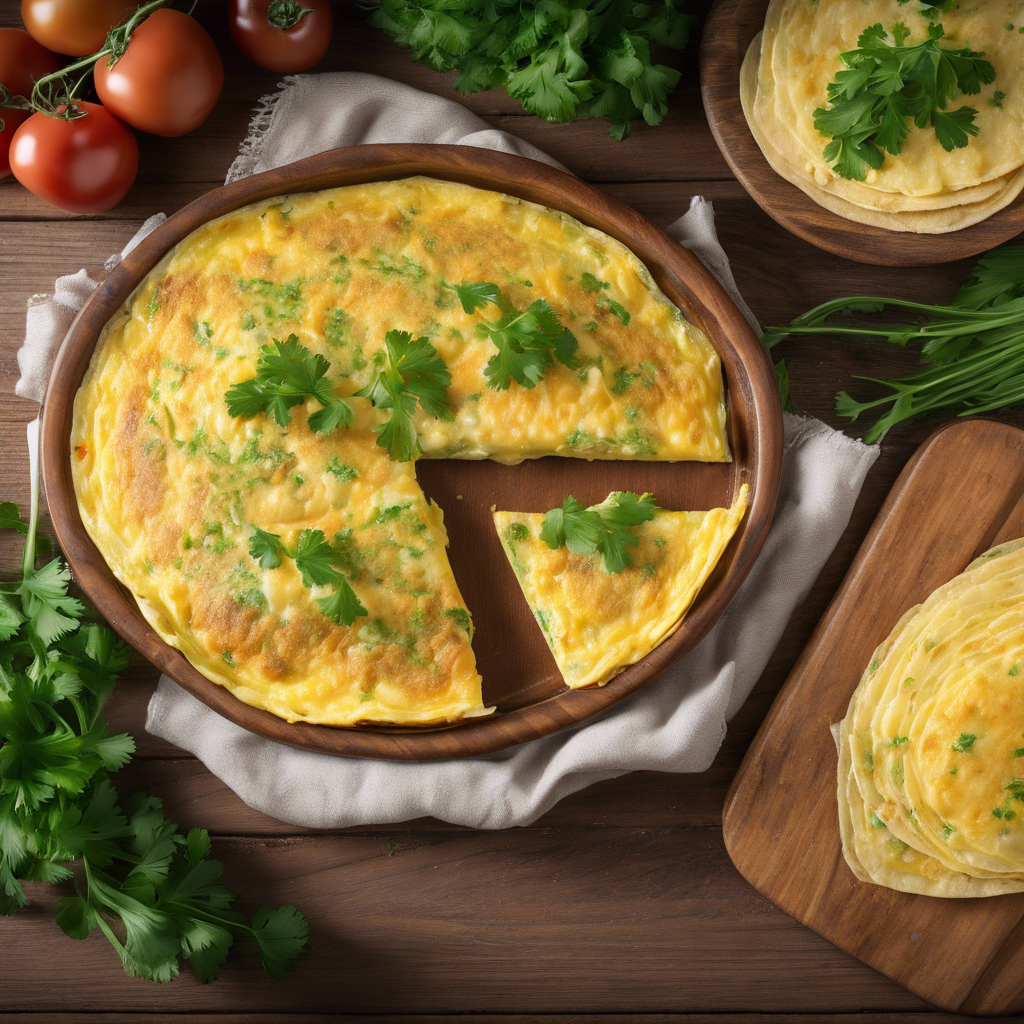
(622, 899)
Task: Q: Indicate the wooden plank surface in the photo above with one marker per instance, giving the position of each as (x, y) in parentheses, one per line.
(620, 900)
(781, 818)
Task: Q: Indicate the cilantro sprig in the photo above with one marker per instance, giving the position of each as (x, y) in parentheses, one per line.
(317, 562)
(608, 529)
(153, 891)
(408, 370)
(288, 374)
(972, 349)
(886, 85)
(528, 342)
(561, 60)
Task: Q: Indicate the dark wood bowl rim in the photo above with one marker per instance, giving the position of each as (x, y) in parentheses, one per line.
(678, 272)
(730, 27)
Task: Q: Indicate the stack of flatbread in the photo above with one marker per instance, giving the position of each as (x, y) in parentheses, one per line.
(931, 752)
(785, 78)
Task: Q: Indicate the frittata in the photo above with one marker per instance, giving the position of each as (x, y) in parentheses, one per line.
(180, 494)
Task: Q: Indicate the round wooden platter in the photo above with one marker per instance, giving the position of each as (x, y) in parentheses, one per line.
(520, 676)
(728, 32)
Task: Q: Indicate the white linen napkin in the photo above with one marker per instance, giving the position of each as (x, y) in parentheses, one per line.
(675, 723)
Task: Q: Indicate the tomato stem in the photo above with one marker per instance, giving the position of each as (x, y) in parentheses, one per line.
(55, 94)
(286, 14)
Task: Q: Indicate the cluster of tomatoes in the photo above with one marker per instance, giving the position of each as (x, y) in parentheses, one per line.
(154, 68)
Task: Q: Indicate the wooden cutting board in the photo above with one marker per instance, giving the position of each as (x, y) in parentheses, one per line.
(961, 493)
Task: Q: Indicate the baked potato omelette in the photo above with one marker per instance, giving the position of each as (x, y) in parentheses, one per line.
(302, 567)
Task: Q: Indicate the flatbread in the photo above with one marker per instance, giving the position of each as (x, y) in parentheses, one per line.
(932, 746)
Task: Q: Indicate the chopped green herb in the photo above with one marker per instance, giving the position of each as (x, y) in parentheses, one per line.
(518, 531)
(153, 306)
(615, 308)
(591, 284)
(342, 470)
(877, 821)
(202, 332)
(963, 743)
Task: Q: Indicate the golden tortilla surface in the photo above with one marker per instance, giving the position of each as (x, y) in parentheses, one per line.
(596, 622)
(931, 751)
(170, 485)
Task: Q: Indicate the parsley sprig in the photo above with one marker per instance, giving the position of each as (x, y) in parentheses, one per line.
(153, 891)
(561, 60)
(528, 342)
(884, 86)
(608, 529)
(317, 562)
(288, 374)
(408, 370)
(972, 349)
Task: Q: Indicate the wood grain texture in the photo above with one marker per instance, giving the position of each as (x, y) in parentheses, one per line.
(556, 921)
(784, 975)
(527, 689)
(781, 819)
(728, 32)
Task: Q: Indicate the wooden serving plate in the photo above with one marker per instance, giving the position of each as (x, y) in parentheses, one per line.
(730, 27)
(520, 676)
(961, 493)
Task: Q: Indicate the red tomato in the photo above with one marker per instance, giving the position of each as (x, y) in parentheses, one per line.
(75, 27)
(22, 63)
(258, 29)
(12, 120)
(85, 165)
(169, 78)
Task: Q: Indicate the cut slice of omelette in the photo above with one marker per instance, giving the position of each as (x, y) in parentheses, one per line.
(596, 622)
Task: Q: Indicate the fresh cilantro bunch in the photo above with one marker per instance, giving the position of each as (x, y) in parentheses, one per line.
(528, 343)
(607, 529)
(884, 86)
(317, 561)
(287, 374)
(153, 891)
(562, 59)
(409, 370)
(972, 349)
